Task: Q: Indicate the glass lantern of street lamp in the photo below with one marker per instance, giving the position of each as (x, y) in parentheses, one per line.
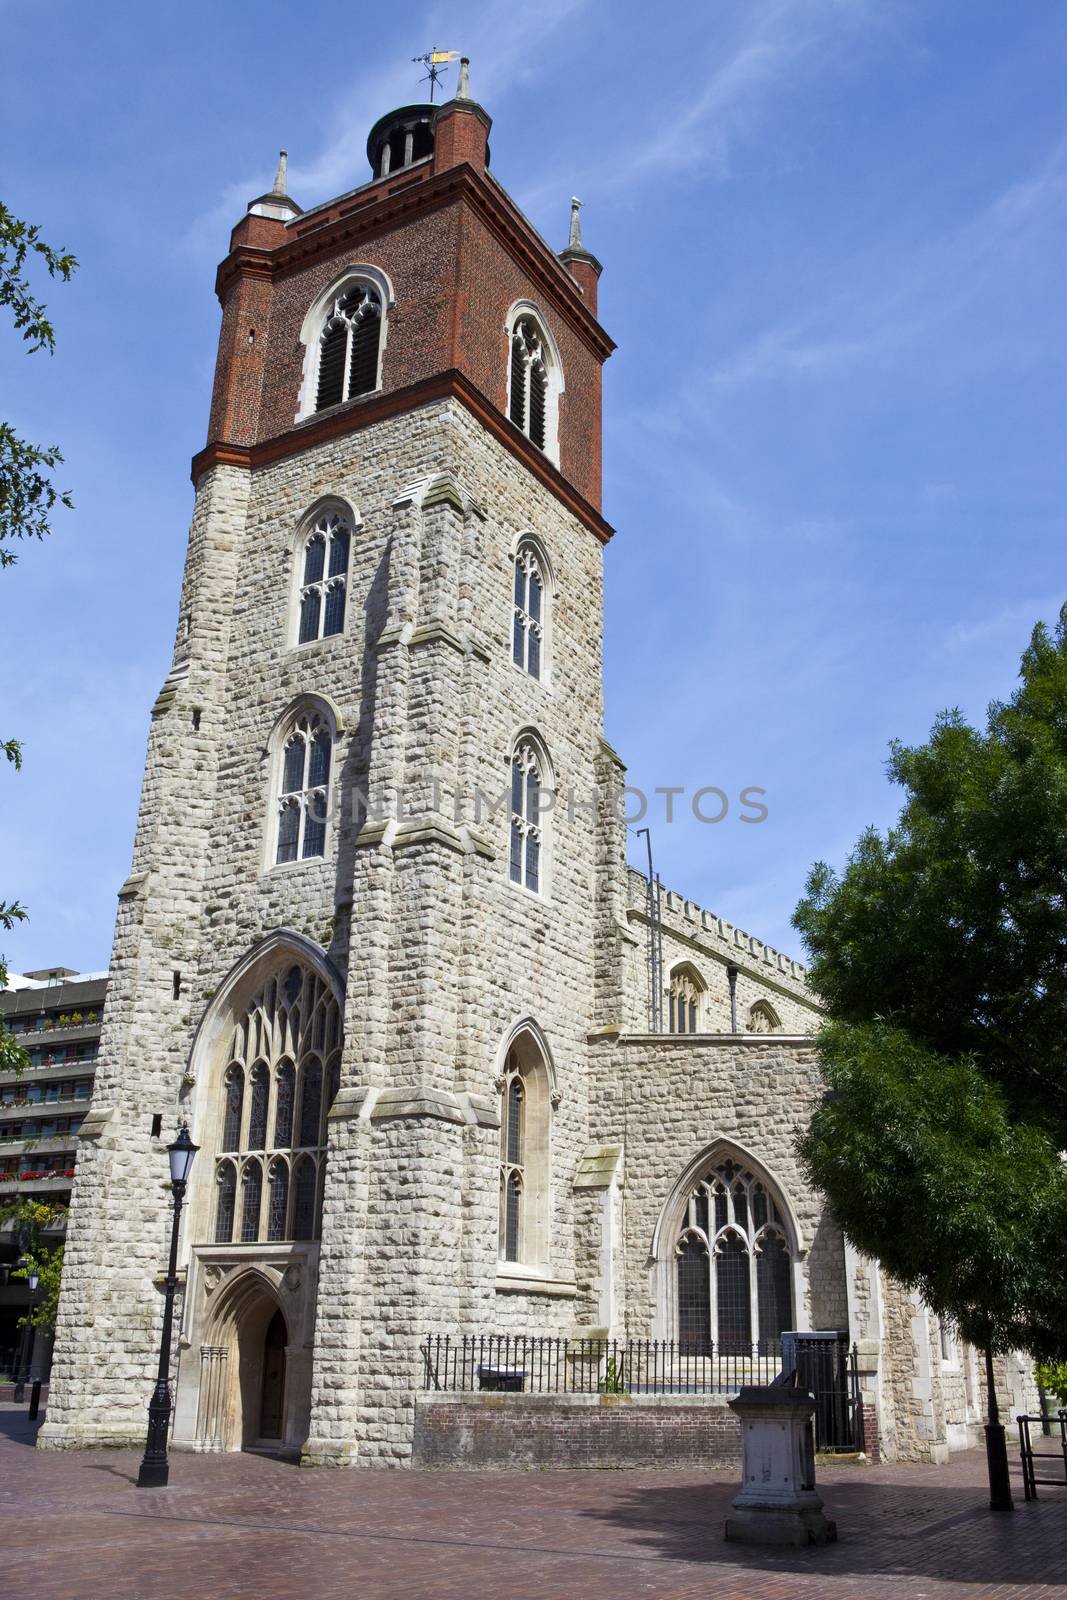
(34, 1279)
(181, 1154)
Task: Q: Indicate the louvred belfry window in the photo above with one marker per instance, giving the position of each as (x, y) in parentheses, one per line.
(528, 387)
(348, 347)
(272, 1190)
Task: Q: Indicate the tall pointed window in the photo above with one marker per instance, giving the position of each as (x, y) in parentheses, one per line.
(528, 388)
(529, 611)
(323, 576)
(303, 789)
(734, 1278)
(286, 1025)
(525, 1111)
(684, 1000)
(527, 808)
(348, 346)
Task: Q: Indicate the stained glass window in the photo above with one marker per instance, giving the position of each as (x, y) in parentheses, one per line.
(275, 1031)
(225, 1202)
(278, 1203)
(742, 1294)
(310, 1101)
(235, 1093)
(252, 1186)
(257, 1111)
(284, 1096)
(304, 1199)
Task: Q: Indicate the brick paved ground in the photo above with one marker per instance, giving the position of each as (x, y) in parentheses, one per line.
(74, 1527)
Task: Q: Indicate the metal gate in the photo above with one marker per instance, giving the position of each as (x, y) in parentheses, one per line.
(827, 1368)
(1028, 1455)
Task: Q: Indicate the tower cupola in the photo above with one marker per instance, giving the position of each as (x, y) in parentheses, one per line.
(401, 138)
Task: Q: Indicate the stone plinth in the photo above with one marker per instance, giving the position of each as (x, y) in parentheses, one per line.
(777, 1503)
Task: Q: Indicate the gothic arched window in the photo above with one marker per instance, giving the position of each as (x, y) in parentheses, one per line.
(322, 574)
(234, 1090)
(684, 1000)
(528, 389)
(734, 1265)
(290, 1020)
(225, 1201)
(303, 787)
(257, 1111)
(534, 378)
(528, 813)
(525, 1113)
(529, 611)
(762, 1018)
(348, 346)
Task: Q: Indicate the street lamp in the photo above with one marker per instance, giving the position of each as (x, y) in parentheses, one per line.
(26, 1350)
(155, 1468)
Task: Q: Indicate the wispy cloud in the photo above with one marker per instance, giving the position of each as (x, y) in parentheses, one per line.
(895, 298)
(500, 58)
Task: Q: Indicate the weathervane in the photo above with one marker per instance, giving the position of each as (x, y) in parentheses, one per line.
(435, 62)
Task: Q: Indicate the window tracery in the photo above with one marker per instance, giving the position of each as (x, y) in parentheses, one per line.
(304, 788)
(684, 1000)
(527, 827)
(348, 346)
(279, 1029)
(734, 1265)
(528, 622)
(529, 381)
(762, 1018)
(323, 577)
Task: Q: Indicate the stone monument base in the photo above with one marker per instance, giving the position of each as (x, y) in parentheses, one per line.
(773, 1525)
(777, 1502)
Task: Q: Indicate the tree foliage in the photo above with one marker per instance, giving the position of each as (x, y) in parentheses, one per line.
(30, 1219)
(940, 955)
(27, 494)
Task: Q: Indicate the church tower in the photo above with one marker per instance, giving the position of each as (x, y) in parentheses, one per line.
(357, 949)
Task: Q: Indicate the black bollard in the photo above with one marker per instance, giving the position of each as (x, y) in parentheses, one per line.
(35, 1400)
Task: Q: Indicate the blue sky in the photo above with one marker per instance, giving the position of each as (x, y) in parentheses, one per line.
(833, 234)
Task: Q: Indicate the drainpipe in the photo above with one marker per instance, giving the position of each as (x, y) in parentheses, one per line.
(731, 974)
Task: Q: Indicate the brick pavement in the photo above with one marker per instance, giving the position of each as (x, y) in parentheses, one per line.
(75, 1527)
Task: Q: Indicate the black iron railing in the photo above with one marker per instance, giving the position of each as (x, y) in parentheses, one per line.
(591, 1366)
(546, 1365)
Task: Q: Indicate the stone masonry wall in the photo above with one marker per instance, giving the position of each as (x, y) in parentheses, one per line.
(574, 1431)
(670, 1099)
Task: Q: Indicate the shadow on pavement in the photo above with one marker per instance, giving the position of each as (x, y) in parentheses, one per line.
(937, 1531)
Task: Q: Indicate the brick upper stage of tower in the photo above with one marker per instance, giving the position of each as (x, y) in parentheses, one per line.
(458, 254)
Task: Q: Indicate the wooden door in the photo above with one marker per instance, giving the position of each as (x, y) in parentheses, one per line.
(272, 1409)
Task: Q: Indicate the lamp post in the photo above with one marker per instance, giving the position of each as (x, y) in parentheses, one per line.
(155, 1468)
(33, 1279)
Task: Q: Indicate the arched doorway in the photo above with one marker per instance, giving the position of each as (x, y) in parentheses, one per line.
(272, 1398)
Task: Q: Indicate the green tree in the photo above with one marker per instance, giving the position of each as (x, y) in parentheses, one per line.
(30, 1219)
(27, 493)
(940, 955)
